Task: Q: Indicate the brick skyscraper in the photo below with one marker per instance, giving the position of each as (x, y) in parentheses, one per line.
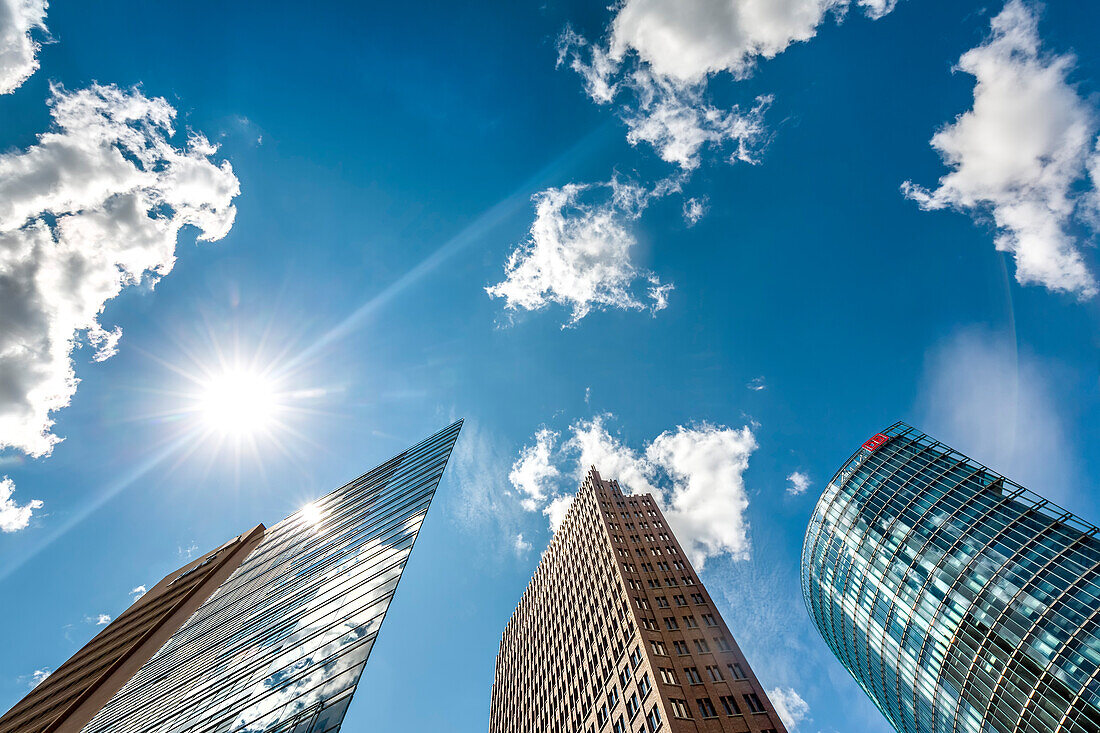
(616, 633)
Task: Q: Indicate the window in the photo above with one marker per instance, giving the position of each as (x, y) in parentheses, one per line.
(681, 648)
(612, 697)
(729, 705)
(668, 676)
(722, 643)
(680, 600)
(701, 646)
(650, 623)
(635, 657)
(601, 716)
(654, 718)
(697, 599)
(670, 622)
(690, 622)
(708, 619)
(706, 708)
(735, 671)
(620, 726)
(693, 676)
(679, 707)
(633, 706)
(753, 702)
(624, 676)
(642, 602)
(714, 673)
(659, 648)
(661, 601)
(643, 685)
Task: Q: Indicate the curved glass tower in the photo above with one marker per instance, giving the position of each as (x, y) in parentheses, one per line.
(960, 601)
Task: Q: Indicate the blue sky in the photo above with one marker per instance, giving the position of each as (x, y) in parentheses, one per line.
(390, 160)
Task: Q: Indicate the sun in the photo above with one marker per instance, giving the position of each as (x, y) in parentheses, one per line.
(238, 403)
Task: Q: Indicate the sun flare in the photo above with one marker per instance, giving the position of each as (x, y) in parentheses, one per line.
(238, 403)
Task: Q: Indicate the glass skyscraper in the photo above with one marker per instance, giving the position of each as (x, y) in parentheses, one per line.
(960, 601)
(270, 632)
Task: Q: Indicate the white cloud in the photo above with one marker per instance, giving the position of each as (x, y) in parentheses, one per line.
(522, 546)
(875, 9)
(14, 517)
(39, 676)
(672, 116)
(799, 483)
(981, 396)
(102, 619)
(187, 552)
(660, 54)
(707, 501)
(1021, 152)
(578, 253)
(137, 592)
(694, 210)
(18, 49)
(790, 706)
(757, 384)
(557, 509)
(533, 470)
(93, 207)
(695, 472)
(687, 40)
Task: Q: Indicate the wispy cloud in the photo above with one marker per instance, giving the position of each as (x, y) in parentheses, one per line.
(983, 397)
(19, 22)
(757, 384)
(578, 253)
(187, 552)
(798, 483)
(694, 210)
(696, 472)
(93, 207)
(1022, 154)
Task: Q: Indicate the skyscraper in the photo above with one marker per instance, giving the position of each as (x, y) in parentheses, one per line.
(959, 600)
(616, 633)
(269, 632)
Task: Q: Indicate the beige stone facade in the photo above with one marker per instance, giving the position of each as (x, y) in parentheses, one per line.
(615, 634)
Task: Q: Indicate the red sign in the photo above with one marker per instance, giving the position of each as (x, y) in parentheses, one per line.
(876, 442)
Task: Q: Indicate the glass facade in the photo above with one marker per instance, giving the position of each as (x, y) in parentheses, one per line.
(281, 644)
(960, 601)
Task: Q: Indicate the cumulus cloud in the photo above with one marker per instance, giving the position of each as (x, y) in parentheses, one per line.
(14, 517)
(102, 619)
(19, 19)
(660, 54)
(533, 470)
(687, 40)
(1021, 154)
(522, 546)
(39, 676)
(578, 253)
(138, 592)
(695, 472)
(790, 706)
(798, 483)
(671, 116)
(93, 207)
